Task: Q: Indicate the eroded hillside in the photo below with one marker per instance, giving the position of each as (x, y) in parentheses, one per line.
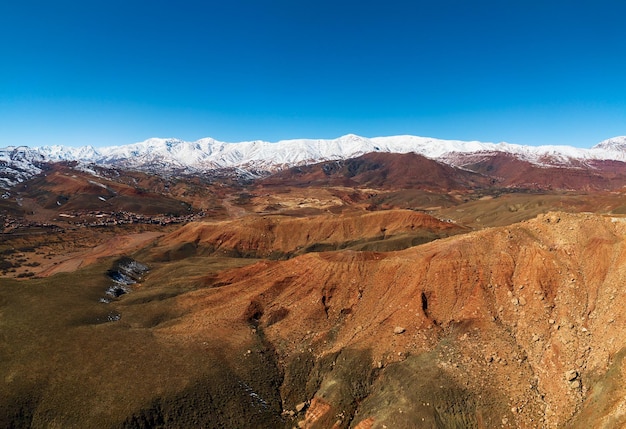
(282, 237)
(514, 326)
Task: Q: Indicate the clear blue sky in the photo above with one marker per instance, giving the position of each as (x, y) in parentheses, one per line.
(120, 71)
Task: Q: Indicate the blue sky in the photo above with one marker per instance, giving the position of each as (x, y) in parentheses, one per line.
(117, 72)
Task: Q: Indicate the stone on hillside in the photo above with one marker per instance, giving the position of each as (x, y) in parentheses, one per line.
(571, 375)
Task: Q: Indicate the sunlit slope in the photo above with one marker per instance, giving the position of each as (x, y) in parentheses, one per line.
(516, 326)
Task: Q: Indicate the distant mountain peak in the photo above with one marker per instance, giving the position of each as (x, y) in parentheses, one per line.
(614, 143)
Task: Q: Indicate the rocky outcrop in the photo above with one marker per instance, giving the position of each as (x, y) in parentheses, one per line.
(124, 273)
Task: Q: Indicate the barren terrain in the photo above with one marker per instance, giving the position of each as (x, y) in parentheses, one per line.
(350, 296)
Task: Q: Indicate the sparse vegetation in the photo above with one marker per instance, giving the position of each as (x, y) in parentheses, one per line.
(25, 274)
(370, 300)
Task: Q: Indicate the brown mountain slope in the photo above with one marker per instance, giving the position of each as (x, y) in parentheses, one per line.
(510, 171)
(379, 170)
(513, 327)
(63, 189)
(263, 236)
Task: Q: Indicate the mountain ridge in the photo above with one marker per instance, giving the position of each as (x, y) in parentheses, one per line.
(17, 163)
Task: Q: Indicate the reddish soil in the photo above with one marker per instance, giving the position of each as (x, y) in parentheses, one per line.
(263, 236)
(503, 313)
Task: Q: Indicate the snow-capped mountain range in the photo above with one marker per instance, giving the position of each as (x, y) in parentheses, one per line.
(168, 155)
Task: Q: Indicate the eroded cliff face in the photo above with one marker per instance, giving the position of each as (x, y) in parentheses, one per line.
(515, 327)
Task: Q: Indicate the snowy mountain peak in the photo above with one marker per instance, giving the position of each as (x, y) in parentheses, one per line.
(18, 164)
(167, 155)
(63, 153)
(615, 143)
